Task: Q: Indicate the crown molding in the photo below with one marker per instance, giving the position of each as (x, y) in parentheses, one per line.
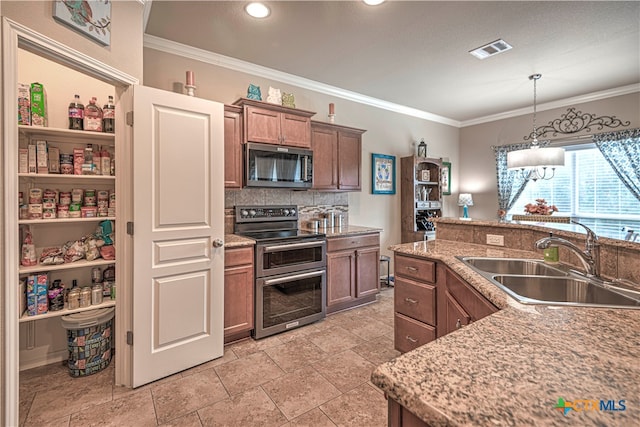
(594, 96)
(179, 49)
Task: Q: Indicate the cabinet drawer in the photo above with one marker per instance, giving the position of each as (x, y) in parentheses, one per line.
(416, 300)
(471, 300)
(351, 242)
(410, 334)
(415, 268)
(238, 256)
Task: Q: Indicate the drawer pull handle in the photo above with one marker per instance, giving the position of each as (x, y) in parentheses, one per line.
(413, 340)
(413, 269)
(411, 300)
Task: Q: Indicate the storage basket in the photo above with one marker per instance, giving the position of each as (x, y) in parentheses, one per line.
(89, 340)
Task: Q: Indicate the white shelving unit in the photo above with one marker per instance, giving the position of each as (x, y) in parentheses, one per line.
(57, 231)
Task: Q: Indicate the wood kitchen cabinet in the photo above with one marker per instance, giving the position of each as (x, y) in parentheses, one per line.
(274, 124)
(232, 146)
(415, 318)
(399, 416)
(430, 300)
(337, 157)
(353, 270)
(462, 303)
(238, 293)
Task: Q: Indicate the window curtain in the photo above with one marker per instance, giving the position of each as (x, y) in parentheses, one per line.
(510, 182)
(622, 151)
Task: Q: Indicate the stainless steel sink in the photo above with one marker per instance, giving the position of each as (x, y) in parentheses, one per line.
(513, 266)
(531, 281)
(562, 291)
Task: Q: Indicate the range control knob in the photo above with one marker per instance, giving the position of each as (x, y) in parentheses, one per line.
(285, 212)
(292, 211)
(252, 212)
(244, 212)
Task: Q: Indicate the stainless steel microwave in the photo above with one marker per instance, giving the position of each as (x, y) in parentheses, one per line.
(278, 166)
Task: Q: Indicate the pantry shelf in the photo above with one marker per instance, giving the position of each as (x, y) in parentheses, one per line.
(73, 136)
(64, 312)
(56, 177)
(67, 266)
(66, 220)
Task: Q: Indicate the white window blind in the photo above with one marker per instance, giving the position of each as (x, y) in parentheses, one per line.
(588, 190)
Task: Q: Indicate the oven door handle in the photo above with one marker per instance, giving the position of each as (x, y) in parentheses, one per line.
(270, 282)
(288, 246)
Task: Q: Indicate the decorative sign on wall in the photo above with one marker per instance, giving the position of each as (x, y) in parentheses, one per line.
(445, 178)
(383, 171)
(90, 17)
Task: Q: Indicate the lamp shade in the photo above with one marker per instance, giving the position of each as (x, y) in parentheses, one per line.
(465, 199)
(535, 157)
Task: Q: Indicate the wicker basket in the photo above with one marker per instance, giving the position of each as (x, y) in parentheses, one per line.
(542, 218)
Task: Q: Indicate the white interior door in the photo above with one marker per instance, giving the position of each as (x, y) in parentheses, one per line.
(178, 214)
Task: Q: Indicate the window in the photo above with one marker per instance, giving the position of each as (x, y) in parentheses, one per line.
(588, 190)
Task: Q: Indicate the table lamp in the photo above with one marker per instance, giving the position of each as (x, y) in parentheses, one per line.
(465, 200)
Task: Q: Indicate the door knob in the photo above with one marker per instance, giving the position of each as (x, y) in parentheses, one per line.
(218, 243)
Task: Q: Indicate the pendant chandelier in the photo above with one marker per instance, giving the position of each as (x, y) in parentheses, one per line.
(535, 162)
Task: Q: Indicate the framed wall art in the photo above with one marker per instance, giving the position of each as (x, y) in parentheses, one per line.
(91, 18)
(383, 174)
(445, 178)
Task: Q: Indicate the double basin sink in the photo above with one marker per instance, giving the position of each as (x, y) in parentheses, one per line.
(531, 281)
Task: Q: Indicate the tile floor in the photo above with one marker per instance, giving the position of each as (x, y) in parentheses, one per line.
(317, 375)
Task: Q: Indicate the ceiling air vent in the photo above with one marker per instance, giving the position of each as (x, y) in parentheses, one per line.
(490, 49)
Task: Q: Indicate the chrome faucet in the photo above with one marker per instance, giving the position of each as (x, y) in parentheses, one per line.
(590, 256)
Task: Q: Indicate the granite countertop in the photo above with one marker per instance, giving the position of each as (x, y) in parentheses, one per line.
(511, 367)
(236, 241)
(348, 230)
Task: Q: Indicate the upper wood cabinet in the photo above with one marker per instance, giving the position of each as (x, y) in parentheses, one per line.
(232, 146)
(337, 157)
(274, 124)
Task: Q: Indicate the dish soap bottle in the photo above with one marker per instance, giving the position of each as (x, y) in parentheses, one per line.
(551, 254)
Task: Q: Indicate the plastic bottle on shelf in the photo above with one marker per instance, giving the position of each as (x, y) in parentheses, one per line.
(93, 116)
(105, 158)
(109, 116)
(76, 113)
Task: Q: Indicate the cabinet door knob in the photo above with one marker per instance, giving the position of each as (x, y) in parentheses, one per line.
(411, 300)
(458, 324)
(413, 340)
(218, 243)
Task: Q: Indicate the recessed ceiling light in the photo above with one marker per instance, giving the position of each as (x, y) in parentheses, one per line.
(257, 10)
(491, 49)
(373, 2)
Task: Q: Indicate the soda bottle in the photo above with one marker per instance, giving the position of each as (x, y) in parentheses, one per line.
(93, 116)
(109, 116)
(76, 113)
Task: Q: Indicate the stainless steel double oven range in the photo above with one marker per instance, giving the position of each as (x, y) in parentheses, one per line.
(290, 268)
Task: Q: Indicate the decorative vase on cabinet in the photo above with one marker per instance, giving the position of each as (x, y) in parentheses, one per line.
(421, 199)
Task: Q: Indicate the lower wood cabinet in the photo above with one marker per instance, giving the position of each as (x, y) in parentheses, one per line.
(430, 300)
(353, 270)
(399, 416)
(238, 293)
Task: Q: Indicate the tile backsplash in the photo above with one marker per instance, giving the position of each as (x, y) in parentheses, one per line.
(311, 204)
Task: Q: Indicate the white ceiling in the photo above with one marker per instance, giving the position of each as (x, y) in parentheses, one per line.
(415, 53)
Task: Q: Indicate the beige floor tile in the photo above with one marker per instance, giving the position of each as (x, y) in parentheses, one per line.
(345, 370)
(335, 339)
(248, 372)
(228, 356)
(302, 332)
(313, 418)
(26, 399)
(189, 420)
(295, 354)
(250, 408)
(300, 391)
(79, 394)
(362, 406)
(177, 398)
(378, 350)
(43, 377)
(365, 327)
(58, 422)
(249, 346)
(133, 410)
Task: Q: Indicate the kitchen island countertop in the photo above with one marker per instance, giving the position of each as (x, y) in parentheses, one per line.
(511, 367)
